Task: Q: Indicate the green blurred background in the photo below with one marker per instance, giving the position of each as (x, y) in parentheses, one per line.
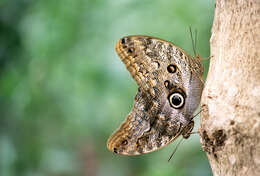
(63, 89)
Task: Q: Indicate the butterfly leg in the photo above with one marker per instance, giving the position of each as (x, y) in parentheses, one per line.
(195, 132)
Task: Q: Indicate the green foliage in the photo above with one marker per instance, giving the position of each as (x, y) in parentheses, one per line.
(63, 89)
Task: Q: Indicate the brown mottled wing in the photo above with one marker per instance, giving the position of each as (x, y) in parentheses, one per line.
(165, 76)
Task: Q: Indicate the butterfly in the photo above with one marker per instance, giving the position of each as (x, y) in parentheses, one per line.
(170, 85)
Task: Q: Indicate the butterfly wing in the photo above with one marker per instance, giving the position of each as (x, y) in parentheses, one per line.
(164, 75)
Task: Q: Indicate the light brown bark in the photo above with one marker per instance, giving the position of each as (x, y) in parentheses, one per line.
(230, 122)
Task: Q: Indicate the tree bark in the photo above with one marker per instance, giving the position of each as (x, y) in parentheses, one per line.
(230, 122)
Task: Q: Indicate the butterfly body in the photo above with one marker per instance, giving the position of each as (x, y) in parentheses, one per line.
(169, 92)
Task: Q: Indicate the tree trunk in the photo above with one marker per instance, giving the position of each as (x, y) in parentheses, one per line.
(230, 123)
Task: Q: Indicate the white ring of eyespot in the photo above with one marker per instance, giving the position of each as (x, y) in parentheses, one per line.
(181, 97)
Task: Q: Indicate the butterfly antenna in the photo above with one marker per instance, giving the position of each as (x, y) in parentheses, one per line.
(193, 44)
(196, 39)
(175, 149)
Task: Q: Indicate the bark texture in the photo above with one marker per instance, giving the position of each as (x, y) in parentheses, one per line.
(230, 123)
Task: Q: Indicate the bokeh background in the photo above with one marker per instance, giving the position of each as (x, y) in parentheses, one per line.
(63, 89)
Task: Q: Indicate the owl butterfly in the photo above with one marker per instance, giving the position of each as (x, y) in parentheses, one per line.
(170, 85)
